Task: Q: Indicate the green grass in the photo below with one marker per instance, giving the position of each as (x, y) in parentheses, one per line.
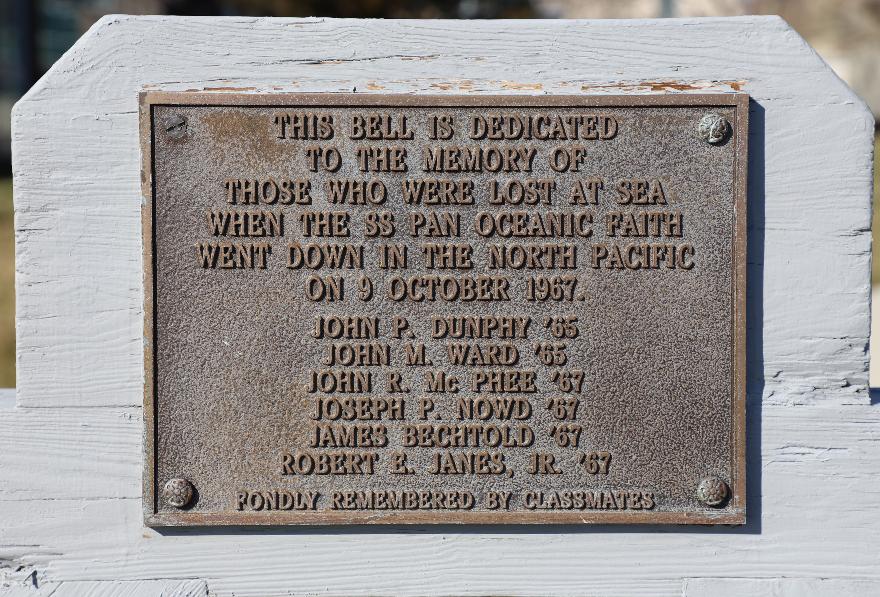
(7, 287)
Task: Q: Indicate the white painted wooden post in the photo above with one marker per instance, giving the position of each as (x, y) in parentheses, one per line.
(71, 448)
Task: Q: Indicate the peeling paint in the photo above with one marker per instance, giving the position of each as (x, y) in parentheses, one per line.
(514, 85)
(665, 86)
(463, 85)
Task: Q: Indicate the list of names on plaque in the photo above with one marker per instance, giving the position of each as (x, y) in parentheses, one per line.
(368, 309)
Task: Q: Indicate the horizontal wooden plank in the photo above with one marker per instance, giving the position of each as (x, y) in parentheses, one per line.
(51, 453)
(818, 464)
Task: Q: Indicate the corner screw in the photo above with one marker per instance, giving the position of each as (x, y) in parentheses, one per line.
(175, 126)
(712, 491)
(177, 493)
(713, 128)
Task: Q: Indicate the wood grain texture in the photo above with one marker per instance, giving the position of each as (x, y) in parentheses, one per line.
(109, 588)
(70, 453)
(780, 587)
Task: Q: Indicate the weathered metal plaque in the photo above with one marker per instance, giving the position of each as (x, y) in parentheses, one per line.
(410, 309)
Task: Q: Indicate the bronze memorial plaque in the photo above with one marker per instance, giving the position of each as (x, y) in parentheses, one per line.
(444, 309)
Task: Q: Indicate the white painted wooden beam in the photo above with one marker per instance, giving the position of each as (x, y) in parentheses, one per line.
(70, 453)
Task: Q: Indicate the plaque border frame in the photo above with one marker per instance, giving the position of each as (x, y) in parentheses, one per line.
(735, 514)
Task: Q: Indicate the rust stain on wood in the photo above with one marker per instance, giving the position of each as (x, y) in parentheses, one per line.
(230, 89)
(523, 86)
(665, 86)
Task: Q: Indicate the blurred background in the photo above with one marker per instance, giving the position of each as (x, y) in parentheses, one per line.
(34, 34)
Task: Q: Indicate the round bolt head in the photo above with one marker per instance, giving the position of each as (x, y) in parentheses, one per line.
(177, 493)
(713, 128)
(175, 126)
(712, 491)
